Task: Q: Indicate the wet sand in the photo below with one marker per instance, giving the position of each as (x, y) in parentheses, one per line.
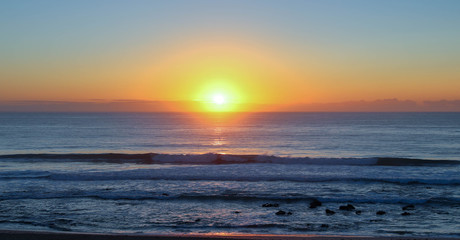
(38, 235)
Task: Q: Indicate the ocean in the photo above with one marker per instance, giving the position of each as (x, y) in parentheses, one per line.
(375, 174)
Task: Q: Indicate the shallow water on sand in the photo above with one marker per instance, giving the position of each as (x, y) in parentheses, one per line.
(159, 198)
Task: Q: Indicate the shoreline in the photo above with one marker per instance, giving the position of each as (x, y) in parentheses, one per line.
(50, 235)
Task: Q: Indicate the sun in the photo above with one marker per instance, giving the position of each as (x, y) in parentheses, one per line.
(218, 99)
(219, 96)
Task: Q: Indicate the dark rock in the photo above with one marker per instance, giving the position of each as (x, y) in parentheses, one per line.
(165, 194)
(329, 212)
(380, 212)
(270, 205)
(280, 212)
(237, 212)
(348, 207)
(324, 225)
(315, 204)
(358, 212)
(408, 207)
(375, 220)
(405, 214)
(289, 213)
(198, 219)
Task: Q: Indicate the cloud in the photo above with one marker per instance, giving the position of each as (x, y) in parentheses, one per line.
(443, 105)
(128, 105)
(382, 105)
(385, 105)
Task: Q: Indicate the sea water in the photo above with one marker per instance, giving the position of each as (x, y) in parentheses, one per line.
(212, 173)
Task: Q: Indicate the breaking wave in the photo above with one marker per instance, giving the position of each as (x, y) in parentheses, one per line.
(147, 195)
(215, 158)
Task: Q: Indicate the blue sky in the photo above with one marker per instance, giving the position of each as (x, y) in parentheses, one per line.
(75, 25)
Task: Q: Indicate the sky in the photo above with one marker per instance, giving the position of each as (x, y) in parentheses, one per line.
(253, 54)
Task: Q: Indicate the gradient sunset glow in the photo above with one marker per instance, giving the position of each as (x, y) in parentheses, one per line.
(229, 55)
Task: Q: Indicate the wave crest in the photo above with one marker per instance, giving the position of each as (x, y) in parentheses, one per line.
(216, 158)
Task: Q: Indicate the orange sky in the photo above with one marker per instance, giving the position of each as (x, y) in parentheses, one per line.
(284, 58)
(246, 71)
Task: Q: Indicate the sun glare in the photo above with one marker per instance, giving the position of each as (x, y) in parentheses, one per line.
(219, 96)
(218, 99)
(219, 102)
